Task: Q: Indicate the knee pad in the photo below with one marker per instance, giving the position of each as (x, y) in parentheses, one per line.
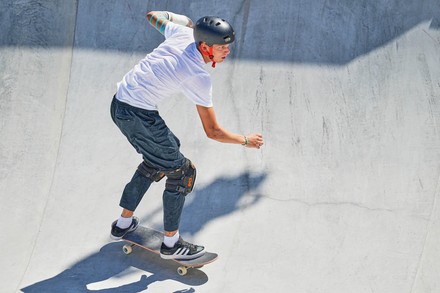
(150, 172)
(182, 179)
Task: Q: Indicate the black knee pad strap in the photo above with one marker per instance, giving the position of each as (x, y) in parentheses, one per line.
(150, 172)
(182, 179)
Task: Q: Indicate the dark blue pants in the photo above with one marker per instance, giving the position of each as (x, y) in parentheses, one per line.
(159, 147)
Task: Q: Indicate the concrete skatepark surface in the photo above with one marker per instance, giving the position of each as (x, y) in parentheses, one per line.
(343, 197)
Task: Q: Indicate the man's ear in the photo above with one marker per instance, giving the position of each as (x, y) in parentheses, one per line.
(204, 46)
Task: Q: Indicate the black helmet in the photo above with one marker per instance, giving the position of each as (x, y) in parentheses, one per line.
(213, 30)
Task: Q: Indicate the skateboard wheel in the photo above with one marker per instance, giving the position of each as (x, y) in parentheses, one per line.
(182, 271)
(127, 249)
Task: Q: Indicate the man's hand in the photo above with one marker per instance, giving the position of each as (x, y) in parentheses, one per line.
(159, 19)
(180, 19)
(254, 141)
(214, 131)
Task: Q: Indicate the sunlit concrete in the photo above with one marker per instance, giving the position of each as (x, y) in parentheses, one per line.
(343, 197)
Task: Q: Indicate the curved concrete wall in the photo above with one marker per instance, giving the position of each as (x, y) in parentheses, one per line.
(343, 197)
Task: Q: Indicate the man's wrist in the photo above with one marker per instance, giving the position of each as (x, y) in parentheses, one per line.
(246, 141)
(179, 19)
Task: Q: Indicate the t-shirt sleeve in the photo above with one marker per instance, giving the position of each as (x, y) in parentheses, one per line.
(173, 29)
(199, 90)
(170, 29)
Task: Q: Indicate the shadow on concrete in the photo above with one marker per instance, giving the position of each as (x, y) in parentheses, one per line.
(302, 31)
(111, 262)
(222, 197)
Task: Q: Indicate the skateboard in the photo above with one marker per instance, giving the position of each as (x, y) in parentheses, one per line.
(151, 240)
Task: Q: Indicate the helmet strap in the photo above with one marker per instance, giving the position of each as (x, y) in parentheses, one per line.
(209, 54)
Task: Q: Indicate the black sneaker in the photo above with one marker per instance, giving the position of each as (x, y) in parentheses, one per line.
(117, 233)
(181, 250)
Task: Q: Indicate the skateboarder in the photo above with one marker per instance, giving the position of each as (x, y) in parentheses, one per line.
(176, 65)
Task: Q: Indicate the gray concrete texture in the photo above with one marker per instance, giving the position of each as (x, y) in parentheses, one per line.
(343, 197)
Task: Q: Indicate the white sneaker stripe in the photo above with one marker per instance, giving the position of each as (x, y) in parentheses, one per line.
(182, 251)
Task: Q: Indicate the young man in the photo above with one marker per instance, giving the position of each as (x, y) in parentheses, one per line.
(176, 65)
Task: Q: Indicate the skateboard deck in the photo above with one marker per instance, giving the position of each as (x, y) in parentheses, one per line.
(151, 240)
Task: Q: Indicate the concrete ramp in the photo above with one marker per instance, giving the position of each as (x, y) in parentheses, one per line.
(343, 197)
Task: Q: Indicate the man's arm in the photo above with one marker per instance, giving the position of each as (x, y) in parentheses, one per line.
(214, 131)
(159, 19)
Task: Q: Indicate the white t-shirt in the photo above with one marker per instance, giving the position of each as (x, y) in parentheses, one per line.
(174, 66)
